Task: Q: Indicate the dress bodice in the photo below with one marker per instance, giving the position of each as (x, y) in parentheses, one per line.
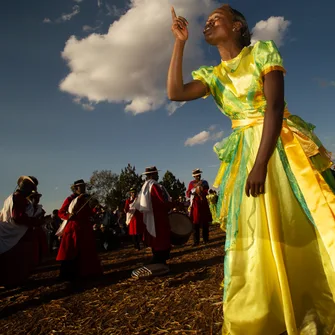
(237, 84)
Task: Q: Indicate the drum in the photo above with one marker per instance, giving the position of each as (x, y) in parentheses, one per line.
(181, 228)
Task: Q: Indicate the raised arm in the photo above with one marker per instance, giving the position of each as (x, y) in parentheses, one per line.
(273, 121)
(176, 89)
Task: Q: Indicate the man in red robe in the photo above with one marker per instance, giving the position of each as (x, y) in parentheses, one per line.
(195, 182)
(200, 216)
(154, 202)
(77, 250)
(134, 220)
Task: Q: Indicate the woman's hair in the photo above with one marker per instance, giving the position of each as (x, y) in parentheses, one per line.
(245, 38)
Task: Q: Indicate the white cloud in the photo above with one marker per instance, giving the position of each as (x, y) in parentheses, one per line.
(78, 1)
(173, 106)
(130, 62)
(114, 11)
(69, 16)
(217, 136)
(89, 106)
(200, 138)
(99, 3)
(87, 28)
(325, 82)
(274, 28)
(46, 20)
(204, 136)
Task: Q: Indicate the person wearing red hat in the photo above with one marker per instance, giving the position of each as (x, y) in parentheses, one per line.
(77, 251)
(134, 220)
(154, 202)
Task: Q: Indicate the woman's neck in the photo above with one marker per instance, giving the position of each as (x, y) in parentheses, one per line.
(229, 50)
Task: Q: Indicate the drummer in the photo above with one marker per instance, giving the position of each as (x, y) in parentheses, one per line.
(154, 202)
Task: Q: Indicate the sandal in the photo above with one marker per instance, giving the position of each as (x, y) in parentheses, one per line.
(151, 270)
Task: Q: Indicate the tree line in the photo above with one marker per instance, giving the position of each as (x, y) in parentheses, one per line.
(111, 189)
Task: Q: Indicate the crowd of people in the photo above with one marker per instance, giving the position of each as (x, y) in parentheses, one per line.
(81, 227)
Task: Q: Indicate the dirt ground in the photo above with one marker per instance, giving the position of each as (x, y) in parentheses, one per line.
(186, 301)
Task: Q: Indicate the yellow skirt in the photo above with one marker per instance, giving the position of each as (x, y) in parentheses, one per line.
(280, 248)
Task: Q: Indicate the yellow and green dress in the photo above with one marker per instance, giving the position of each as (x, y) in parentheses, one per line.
(280, 246)
(212, 201)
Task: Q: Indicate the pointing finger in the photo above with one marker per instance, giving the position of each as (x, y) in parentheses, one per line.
(174, 16)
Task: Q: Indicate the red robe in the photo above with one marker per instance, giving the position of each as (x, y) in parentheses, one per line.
(161, 207)
(136, 225)
(200, 212)
(192, 184)
(78, 240)
(17, 263)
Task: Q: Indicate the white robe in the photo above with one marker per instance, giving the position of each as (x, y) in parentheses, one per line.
(11, 232)
(144, 205)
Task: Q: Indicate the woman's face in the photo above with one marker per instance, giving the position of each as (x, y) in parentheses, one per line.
(219, 26)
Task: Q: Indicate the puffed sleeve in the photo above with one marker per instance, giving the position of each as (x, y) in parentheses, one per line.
(268, 57)
(205, 75)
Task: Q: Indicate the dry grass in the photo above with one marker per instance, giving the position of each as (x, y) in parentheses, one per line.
(187, 301)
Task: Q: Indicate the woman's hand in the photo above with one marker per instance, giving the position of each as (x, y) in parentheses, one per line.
(256, 181)
(179, 26)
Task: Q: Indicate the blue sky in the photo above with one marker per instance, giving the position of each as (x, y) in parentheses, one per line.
(46, 134)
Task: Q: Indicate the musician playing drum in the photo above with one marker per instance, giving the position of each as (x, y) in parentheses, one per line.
(77, 250)
(154, 202)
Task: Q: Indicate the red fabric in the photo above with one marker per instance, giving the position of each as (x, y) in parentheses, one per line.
(136, 225)
(19, 215)
(190, 187)
(78, 240)
(161, 208)
(192, 184)
(200, 212)
(17, 263)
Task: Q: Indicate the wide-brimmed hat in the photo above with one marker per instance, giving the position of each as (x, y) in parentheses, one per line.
(79, 182)
(150, 170)
(196, 172)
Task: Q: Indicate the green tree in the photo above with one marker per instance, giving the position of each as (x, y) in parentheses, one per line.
(127, 179)
(102, 183)
(173, 185)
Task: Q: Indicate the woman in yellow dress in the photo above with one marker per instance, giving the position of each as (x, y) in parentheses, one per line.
(280, 248)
